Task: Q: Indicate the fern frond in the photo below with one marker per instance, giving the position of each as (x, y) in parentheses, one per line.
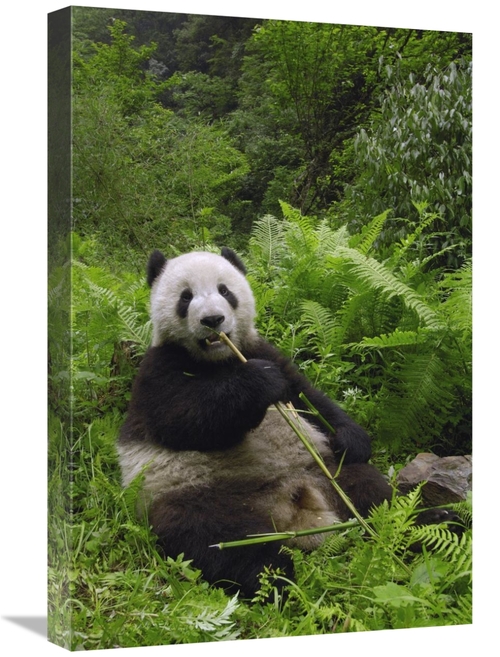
(218, 623)
(364, 242)
(320, 324)
(413, 406)
(294, 216)
(267, 240)
(447, 544)
(464, 510)
(365, 313)
(393, 340)
(333, 546)
(462, 613)
(458, 304)
(136, 329)
(392, 521)
(375, 275)
(328, 240)
(131, 319)
(402, 248)
(300, 233)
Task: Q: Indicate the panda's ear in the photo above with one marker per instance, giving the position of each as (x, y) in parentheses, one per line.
(156, 264)
(230, 255)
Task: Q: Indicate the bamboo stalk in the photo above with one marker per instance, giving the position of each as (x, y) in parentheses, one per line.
(254, 539)
(285, 410)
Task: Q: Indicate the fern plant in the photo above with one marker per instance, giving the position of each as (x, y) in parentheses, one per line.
(353, 582)
(110, 331)
(396, 330)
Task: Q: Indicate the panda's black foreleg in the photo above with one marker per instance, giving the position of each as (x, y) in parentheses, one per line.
(190, 522)
(349, 441)
(208, 410)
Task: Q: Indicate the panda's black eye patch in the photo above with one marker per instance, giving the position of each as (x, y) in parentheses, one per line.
(183, 303)
(230, 297)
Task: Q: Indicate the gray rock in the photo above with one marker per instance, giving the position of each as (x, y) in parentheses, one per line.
(448, 478)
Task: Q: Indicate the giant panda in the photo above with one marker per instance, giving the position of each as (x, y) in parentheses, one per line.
(219, 462)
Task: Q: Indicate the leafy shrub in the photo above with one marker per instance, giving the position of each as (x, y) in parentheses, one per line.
(418, 151)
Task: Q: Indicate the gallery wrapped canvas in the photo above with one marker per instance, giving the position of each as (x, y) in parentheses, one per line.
(260, 271)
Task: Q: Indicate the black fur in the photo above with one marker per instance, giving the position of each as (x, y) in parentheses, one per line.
(187, 404)
(227, 294)
(350, 440)
(230, 255)
(156, 264)
(183, 303)
(194, 523)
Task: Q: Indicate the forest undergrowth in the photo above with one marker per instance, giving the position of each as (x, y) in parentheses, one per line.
(404, 377)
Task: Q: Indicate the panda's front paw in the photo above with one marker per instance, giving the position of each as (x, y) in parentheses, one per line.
(352, 443)
(270, 383)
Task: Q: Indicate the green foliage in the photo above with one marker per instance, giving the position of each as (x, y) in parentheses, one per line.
(390, 339)
(220, 118)
(110, 331)
(180, 146)
(316, 84)
(109, 587)
(140, 171)
(418, 150)
(355, 583)
(118, 67)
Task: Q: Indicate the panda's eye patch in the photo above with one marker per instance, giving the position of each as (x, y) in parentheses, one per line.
(229, 296)
(183, 303)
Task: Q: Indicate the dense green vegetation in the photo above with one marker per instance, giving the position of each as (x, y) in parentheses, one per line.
(337, 161)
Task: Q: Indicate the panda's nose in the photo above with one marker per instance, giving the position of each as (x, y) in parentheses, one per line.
(212, 321)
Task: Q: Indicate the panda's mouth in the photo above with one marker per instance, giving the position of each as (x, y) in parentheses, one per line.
(212, 341)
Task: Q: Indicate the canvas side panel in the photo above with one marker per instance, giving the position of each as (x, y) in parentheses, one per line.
(59, 335)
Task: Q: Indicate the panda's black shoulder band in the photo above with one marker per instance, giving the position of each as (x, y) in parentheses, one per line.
(230, 255)
(155, 265)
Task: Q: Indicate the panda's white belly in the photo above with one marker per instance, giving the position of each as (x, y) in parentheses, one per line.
(297, 495)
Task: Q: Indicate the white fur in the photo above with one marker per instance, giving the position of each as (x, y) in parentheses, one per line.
(201, 273)
(273, 448)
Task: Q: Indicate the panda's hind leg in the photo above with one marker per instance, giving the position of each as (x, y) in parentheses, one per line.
(366, 487)
(193, 521)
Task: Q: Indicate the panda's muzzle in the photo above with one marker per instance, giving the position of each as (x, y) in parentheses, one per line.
(211, 322)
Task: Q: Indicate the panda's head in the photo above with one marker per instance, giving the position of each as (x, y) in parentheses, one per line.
(194, 293)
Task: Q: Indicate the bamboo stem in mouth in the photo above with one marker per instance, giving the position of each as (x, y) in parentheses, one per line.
(288, 409)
